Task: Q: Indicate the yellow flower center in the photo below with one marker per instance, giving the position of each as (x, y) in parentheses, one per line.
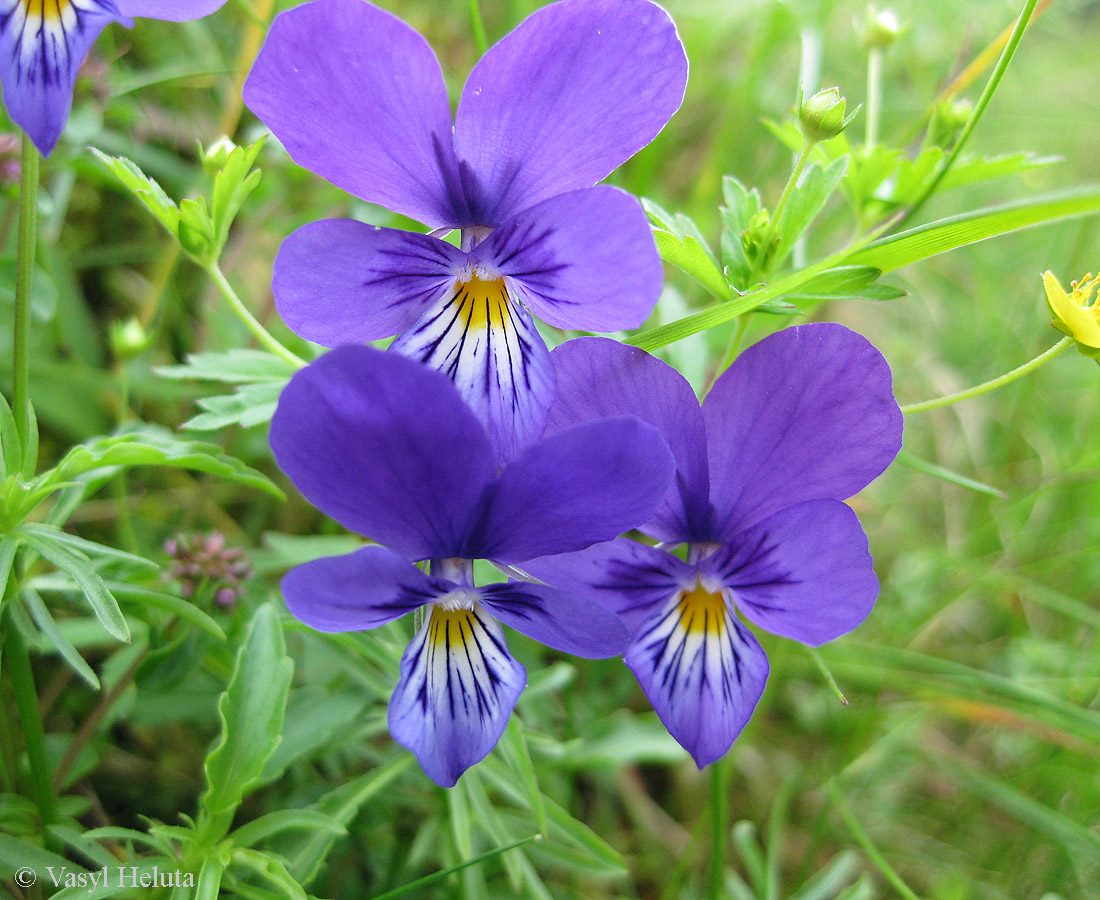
(50, 10)
(482, 303)
(702, 612)
(1076, 313)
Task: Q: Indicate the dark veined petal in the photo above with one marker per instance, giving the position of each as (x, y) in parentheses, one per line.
(564, 620)
(806, 414)
(702, 670)
(804, 573)
(584, 260)
(578, 88)
(357, 96)
(584, 485)
(360, 590)
(458, 687)
(42, 46)
(339, 281)
(599, 377)
(386, 447)
(170, 10)
(487, 344)
(628, 578)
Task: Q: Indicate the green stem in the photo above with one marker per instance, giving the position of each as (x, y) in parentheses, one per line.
(24, 274)
(764, 262)
(986, 386)
(719, 815)
(874, 94)
(732, 349)
(30, 718)
(979, 108)
(259, 332)
(479, 27)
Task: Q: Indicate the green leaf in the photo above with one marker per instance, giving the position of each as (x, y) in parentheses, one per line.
(271, 869)
(177, 606)
(87, 548)
(846, 283)
(42, 618)
(196, 230)
(87, 581)
(414, 887)
(899, 250)
(806, 202)
(741, 206)
(232, 185)
(150, 193)
(236, 366)
(9, 545)
(313, 718)
(209, 882)
(11, 448)
(16, 854)
(928, 468)
(680, 242)
(286, 820)
(977, 169)
(110, 891)
(151, 447)
(251, 712)
(249, 405)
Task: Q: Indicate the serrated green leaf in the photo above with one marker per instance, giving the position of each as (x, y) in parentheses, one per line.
(946, 234)
(689, 255)
(232, 185)
(249, 405)
(42, 618)
(806, 202)
(741, 206)
(158, 448)
(87, 581)
(236, 366)
(143, 187)
(251, 712)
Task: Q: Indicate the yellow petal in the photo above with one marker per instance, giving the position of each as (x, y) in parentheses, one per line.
(1079, 321)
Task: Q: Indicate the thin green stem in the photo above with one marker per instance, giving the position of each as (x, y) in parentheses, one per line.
(24, 274)
(719, 826)
(251, 323)
(874, 94)
(986, 386)
(479, 27)
(979, 108)
(732, 349)
(766, 255)
(30, 720)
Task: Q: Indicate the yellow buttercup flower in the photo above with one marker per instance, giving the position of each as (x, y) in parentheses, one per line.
(1076, 313)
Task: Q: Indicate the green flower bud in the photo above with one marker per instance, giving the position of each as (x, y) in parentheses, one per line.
(878, 30)
(822, 116)
(216, 155)
(948, 119)
(128, 338)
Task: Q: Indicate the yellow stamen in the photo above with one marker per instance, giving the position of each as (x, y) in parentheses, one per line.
(702, 611)
(482, 303)
(1076, 313)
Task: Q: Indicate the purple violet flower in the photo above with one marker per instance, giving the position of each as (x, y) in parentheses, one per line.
(43, 43)
(388, 448)
(800, 421)
(357, 96)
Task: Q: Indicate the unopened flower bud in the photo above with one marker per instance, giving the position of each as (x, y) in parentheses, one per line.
(128, 338)
(878, 30)
(1076, 313)
(822, 116)
(215, 156)
(204, 559)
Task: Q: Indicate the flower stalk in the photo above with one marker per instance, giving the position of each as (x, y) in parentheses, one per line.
(986, 386)
(24, 276)
(250, 321)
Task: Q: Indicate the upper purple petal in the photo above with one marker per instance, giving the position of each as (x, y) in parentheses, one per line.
(804, 572)
(386, 447)
(458, 687)
(560, 619)
(339, 281)
(581, 486)
(584, 260)
(357, 96)
(805, 414)
(39, 59)
(360, 590)
(170, 10)
(578, 88)
(624, 576)
(598, 377)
